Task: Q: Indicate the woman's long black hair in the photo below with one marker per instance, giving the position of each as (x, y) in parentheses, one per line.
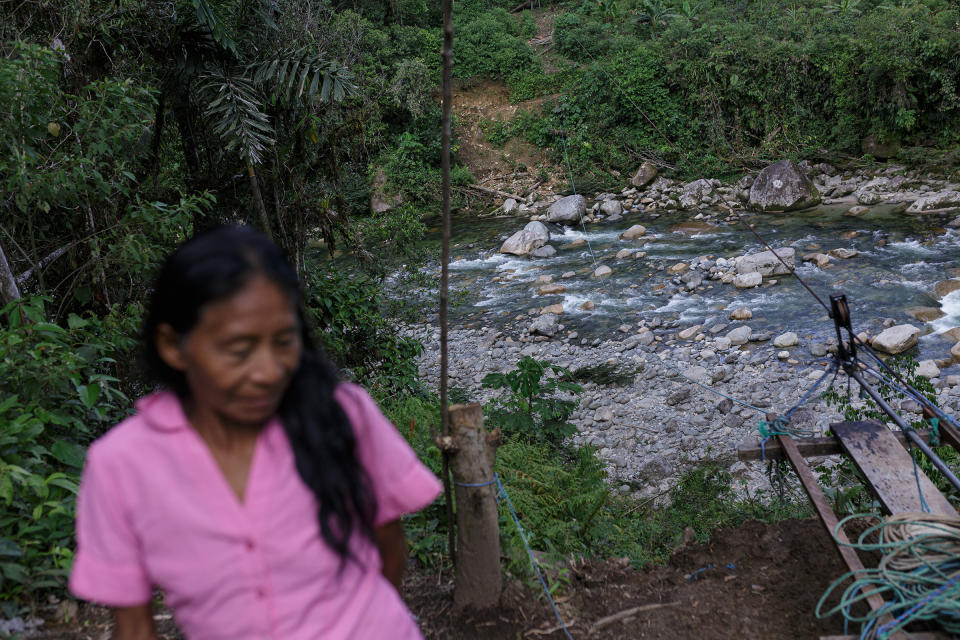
(217, 264)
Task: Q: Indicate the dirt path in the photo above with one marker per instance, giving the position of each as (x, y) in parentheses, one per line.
(778, 574)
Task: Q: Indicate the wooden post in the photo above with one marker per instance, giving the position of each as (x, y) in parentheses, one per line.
(477, 582)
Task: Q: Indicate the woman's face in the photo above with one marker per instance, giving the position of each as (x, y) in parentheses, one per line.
(240, 356)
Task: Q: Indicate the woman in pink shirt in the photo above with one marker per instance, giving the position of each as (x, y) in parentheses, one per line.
(259, 493)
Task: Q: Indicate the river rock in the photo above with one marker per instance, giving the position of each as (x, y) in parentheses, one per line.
(679, 267)
(689, 332)
(868, 197)
(521, 243)
(567, 210)
(646, 174)
(785, 340)
(587, 306)
(623, 254)
(539, 230)
(766, 263)
(940, 200)
(955, 352)
(857, 210)
(897, 339)
(748, 280)
(741, 313)
(602, 270)
(944, 287)
(844, 253)
(545, 325)
(579, 242)
(603, 414)
(783, 187)
(694, 192)
(611, 208)
(546, 251)
(925, 314)
(634, 232)
(553, 308)
(928, 369)
(819, 259)
(510, 206)
(551, 289)
(739, 336)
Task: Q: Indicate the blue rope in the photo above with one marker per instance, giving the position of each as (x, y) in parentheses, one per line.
(780, 426)
(884, 630)
(477, 484)
(533, 560)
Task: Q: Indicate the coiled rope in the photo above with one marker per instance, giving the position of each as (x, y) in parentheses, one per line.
(918, 575)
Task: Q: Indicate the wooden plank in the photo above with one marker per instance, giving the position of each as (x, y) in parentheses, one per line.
(827, 516)
(889, 468)
(810, 447)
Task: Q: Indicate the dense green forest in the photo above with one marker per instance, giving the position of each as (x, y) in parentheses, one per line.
(126, 125)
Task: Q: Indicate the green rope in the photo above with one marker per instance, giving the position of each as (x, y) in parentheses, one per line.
(918, 575)
(934, 432)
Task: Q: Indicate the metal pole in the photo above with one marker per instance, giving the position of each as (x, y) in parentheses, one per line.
(908, 431)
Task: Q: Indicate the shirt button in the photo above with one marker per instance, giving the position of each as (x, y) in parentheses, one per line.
(249, 544)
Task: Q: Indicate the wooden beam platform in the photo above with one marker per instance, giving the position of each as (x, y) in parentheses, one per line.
(812, 447)
(889, 468)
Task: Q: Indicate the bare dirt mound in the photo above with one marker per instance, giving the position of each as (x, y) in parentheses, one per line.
(756, 581)
(517, 165)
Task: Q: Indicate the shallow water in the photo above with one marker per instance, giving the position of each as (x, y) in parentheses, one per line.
(881, 282)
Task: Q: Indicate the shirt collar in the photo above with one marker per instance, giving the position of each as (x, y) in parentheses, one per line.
(162, 411)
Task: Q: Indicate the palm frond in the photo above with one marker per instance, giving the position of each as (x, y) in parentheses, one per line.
(208, 18)
(300, 74)
(232, 107)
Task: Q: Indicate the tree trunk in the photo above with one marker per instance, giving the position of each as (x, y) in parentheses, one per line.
(477, 583)
(8, 284)
(258, 200)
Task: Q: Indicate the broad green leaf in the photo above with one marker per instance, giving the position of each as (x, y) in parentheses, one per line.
(69, 453)
(10, 548)
(89, 394)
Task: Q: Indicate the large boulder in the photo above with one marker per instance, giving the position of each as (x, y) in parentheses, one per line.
(783, 187)
(538, 229)
(611, 208)
(694, 192)
(766, 263)
(748, 280)
(634, 232)
(567, 210)
(897, 339)
(545, 325)
(646, 174)
(531, 237)
(939, 200)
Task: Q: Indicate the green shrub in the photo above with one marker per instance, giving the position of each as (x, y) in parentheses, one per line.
(535, 407)
(59, 389)
(346, 310)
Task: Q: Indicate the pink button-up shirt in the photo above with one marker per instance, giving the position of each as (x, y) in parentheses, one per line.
(154, 510)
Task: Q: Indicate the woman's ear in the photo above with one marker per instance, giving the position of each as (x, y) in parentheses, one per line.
(170, 348)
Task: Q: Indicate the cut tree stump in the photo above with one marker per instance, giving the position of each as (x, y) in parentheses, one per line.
(477, 580)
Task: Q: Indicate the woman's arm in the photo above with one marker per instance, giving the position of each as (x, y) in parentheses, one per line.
(393, 551)
(134, 623)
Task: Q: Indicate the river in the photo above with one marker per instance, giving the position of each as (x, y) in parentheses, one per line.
(491, 289)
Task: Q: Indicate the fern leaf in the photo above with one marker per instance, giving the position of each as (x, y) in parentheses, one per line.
(298, 74)
(233, 110)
